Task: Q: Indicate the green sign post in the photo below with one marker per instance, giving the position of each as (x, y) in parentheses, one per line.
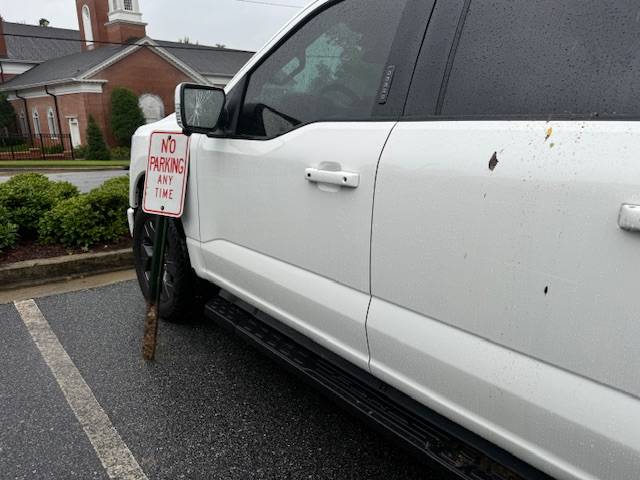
(155, 289)
(165, 186)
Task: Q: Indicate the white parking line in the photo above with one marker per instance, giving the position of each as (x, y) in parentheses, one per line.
(115, 456)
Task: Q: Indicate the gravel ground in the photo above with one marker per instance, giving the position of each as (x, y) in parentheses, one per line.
(210, 407)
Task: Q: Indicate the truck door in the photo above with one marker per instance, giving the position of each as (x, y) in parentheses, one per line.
(505, 293)
(286, 197)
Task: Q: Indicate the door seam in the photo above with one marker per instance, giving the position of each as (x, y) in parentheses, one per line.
(373, 206)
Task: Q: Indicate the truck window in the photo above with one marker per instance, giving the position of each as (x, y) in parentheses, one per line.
(543, 58)
(329, 69)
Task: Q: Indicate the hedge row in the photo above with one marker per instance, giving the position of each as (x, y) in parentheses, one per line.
(82, 221)
(33, 207)
(116, 153)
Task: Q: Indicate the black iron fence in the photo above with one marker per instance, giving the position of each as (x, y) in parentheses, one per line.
(36, 147)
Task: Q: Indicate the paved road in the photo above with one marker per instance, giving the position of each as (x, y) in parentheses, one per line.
(85, 181)
(210, 407)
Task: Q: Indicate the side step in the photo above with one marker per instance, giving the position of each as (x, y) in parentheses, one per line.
(462, 453)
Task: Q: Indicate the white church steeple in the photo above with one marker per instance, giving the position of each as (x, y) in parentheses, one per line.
(125, 11)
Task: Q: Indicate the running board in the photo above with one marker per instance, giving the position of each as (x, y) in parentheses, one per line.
(460, 452)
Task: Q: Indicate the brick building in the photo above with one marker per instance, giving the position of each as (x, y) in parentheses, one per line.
(55, 84)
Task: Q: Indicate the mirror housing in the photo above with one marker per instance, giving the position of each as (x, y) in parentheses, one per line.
(199, 108)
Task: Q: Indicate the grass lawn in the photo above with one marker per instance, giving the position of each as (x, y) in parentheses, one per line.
(70, 164)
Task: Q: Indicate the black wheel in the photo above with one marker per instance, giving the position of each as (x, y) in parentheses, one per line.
(178, 294)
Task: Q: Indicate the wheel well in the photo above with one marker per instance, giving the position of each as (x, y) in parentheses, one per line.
(139, 191)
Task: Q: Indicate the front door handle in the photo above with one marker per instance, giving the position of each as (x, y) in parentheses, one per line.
(345, 179)
(629, 219)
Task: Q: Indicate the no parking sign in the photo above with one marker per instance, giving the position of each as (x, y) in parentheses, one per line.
(165, 186)
(167, 170)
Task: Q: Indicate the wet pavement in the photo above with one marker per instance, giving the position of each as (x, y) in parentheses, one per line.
(210, 407)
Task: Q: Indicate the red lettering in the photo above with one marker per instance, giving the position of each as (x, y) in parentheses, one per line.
(169, 145)
(167, 164)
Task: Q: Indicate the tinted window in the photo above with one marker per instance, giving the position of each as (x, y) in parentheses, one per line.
(330, 69)
(541, 57)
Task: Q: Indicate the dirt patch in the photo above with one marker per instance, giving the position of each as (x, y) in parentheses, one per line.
(31, 250)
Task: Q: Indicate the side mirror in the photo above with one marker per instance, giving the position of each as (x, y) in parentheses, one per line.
(199, 107)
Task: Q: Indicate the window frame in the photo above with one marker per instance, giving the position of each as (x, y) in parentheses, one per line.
(410, 29)
(435, 112)
(24, 123)
(37, 127)
(52, 123)
(87, 25)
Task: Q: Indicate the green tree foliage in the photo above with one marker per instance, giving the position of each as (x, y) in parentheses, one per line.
(7, 113)
(25, 198)
(126, 115)
(96, 146)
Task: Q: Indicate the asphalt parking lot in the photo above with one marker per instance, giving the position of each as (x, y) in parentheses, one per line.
(209, 407)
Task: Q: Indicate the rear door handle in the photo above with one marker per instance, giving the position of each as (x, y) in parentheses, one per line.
(629, 219)
(345, 179)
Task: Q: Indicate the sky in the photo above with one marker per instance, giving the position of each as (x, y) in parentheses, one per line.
(237, 24)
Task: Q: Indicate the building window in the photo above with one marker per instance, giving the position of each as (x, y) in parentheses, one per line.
(86, 25)
(36, 122)
(128, 5)
(114, 5)
(24, 127)
(152, 107)
(51, 122)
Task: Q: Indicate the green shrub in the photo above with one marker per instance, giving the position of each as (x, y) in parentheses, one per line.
(28, 196)
(15, 143)
(60, 191)
(53, 149)
(120, 183)
(96, 147)
(126, 115)
(80, 152)
(121, 153)
(97, 217)
(8, 231)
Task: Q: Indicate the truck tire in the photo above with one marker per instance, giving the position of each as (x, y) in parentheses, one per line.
(178, 295)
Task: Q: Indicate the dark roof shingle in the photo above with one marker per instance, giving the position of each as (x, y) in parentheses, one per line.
(63, 58)
(33, 49)
(208, 60)
(63, 68)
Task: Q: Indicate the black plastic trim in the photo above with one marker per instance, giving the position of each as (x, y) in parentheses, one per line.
(452, 56)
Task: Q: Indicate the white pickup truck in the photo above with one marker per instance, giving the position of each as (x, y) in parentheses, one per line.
(431, 209)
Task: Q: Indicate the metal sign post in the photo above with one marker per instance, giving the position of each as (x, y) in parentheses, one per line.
(155, 289)
(164, 194)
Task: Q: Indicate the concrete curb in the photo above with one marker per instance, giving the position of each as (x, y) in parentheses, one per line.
(39, 272)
